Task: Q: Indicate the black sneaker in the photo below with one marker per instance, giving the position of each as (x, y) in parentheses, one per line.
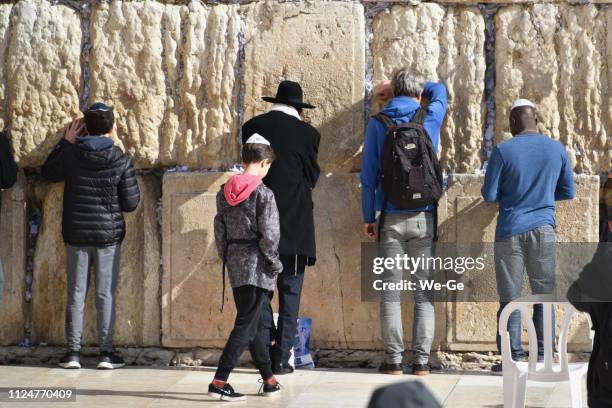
(71, 359)
(392, 369)
(283, 369)
(110, 361)
(226, 393)
(496, 369)
(421, 369)
(269, 390)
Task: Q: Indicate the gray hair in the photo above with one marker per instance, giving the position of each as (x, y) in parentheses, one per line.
(406, 82)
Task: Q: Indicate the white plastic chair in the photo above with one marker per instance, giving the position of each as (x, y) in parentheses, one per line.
(517, 373)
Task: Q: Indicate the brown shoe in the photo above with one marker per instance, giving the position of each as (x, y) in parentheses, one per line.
(421, 369)
(392, 369)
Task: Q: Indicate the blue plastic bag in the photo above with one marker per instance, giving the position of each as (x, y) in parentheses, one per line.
(303, 358)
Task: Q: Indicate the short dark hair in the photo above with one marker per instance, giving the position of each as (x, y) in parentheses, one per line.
(99, 122)
(257, 152)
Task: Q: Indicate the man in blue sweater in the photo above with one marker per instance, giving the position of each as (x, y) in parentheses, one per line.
(404, 230)
(526, 175)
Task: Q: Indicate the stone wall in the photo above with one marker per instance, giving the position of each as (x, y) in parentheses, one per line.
(184, 75)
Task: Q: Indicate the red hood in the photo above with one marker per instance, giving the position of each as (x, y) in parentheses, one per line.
(239, 187)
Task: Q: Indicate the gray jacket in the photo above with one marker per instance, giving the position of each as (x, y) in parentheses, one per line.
(254, 263)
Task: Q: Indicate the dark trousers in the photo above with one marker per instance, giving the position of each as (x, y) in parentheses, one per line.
(250, 330)
(289, 283)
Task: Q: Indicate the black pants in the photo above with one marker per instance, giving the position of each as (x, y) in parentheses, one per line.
(250, 330)
(289, 285)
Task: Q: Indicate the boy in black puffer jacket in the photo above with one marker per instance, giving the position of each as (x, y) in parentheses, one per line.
(100, 185)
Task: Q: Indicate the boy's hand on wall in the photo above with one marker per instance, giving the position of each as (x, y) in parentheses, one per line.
(73, 130)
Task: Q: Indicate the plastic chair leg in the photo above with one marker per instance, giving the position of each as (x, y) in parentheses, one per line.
(575, 383)
(515, 389)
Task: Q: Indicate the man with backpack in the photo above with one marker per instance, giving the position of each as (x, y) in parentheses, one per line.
(401, 178)
(8, 177)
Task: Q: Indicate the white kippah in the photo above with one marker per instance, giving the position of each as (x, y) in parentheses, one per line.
(522, 102)
(257, 138)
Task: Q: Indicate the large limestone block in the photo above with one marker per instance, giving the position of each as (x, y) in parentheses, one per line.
(466, 219)
(171, 81)
(200, 129)
(42, 72)
(5, 13)
(138, 310)
(191, 285)
(13, 230)
(555, 55)
(441, 44)
(322, 46)
(191, 293)
(332, 288)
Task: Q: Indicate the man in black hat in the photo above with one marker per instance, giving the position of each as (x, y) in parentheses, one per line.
(292, 177)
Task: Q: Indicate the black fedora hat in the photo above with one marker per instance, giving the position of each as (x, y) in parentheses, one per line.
(289, 93)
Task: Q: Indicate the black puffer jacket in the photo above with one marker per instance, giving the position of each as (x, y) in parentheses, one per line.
(100, 186)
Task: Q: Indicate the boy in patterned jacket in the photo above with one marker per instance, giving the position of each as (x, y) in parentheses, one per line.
(247, 233)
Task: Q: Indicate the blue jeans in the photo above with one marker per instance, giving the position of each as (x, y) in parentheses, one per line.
(532, 251)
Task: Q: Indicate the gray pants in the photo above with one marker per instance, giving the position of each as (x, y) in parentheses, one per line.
(411, 234)
(106, 263)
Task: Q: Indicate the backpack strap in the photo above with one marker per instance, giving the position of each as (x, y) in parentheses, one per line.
(385, 120)
(419, 117)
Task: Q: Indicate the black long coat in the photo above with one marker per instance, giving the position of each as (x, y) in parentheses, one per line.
(292, 177)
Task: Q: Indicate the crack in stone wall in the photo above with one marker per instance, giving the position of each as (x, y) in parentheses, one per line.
(488, 12)
(371, 10)
(239, 72)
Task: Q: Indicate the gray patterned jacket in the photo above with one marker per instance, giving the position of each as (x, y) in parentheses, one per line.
(256, 218)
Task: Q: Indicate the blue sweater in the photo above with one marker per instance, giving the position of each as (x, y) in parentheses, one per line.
(526, 175)
(400, 109)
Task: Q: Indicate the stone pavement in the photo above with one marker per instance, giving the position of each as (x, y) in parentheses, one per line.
(137, 387)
